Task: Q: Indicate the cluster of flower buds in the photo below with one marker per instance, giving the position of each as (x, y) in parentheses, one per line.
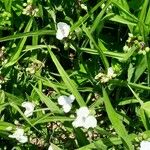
(109, 8)
(5, 18)
(3, 59)
(33, 67)
(106, 77)
(138, 42)
(2, 81)
(2, 53)
(30, 9)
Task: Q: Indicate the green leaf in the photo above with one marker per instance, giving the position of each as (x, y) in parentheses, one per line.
(20, 46)
(69, 83)
(122, 20)
(83, 19)
(99, 17)
(27, 34)
(81, 135)
(48, 118)
(99, 50)
(146, 107)
(116, 122)
(5, 125)
(140, 68)
(8, 4)
(49, 103)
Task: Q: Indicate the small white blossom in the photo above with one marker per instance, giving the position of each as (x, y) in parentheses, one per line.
(145, 145)
(19, 135)
(84, 119)
(66, 102)
(29, 108)
(63, 30)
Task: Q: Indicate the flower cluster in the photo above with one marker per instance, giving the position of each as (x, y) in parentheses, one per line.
(138, 42)
(84, 118)
(3, 59)
(19, 135)
(109, 8)
(106, 77)
(30, 9)
(34, 66)
(5, 18)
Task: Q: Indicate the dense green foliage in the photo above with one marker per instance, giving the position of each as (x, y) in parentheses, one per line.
(35, 66)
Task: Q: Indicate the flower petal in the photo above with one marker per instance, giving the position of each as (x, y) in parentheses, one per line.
(90, 121)
(62, 100)
(29, 108)
(67, 108)
(59, 35)
(63, 30)
(82, 112)
(78, 122)
(71, 98)
(145, 145)
(22, 139)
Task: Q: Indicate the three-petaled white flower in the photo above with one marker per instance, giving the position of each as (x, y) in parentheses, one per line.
(84, 119)
(66, 102)
(63, 30)
(145, 145)
(29, 108)
(19, 135)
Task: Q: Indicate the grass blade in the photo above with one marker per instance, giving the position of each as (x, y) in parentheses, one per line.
(116, 122)
(71, 86)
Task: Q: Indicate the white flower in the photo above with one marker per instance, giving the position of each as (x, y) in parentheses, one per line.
(19, 135)
(50, 148)
(29, 108)
(66, 102)
(145, 145)
(63, 30)
(84, 119)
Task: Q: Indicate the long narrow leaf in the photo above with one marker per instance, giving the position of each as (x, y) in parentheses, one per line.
(71, 86)
(116, 122)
